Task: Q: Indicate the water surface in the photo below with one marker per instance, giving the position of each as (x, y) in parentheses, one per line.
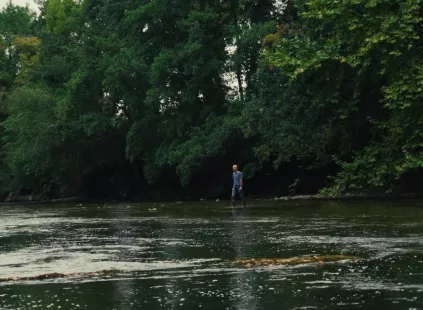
(178, 256)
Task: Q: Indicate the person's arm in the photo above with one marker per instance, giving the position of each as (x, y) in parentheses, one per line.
(241, 182)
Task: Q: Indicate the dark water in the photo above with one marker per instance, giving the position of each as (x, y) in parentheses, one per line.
(178, 256)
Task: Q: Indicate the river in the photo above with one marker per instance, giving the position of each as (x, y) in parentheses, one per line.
(180, 256)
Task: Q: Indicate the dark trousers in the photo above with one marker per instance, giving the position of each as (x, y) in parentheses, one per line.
(235, 192)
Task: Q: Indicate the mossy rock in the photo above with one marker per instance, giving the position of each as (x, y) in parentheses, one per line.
(264, 262)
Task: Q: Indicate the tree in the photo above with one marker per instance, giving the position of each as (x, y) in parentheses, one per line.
(16, 24)
(349, 55)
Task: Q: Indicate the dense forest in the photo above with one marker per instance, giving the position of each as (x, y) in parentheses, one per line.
(156, 99)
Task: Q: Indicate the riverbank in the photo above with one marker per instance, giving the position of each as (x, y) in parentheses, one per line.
(345, 197)
(39, 199)
(76, 199)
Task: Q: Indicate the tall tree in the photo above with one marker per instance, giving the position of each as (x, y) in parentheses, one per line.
(15, 22)
(359, 62)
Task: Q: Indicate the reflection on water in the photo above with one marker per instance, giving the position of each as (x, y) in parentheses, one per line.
(179, 256)
(241, 284)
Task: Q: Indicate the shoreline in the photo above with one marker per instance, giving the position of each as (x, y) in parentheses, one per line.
(316, 197)
(345, 197)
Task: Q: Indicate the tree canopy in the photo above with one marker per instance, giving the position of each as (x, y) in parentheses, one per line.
(156, 98)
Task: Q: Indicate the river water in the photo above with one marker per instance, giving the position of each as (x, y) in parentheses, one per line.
(179, 256)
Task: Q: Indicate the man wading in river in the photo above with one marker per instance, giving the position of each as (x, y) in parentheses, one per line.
(237, 188)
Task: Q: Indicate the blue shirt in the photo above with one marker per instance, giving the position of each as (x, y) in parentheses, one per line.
(237, 176)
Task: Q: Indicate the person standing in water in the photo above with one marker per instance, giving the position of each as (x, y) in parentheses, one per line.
(237, 188)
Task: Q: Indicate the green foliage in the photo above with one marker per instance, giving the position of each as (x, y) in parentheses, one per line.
(17, 44)
(132, 93)
(61, 15)
(16, 21)
(377, 45)
(30, 141)
(204, 143)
